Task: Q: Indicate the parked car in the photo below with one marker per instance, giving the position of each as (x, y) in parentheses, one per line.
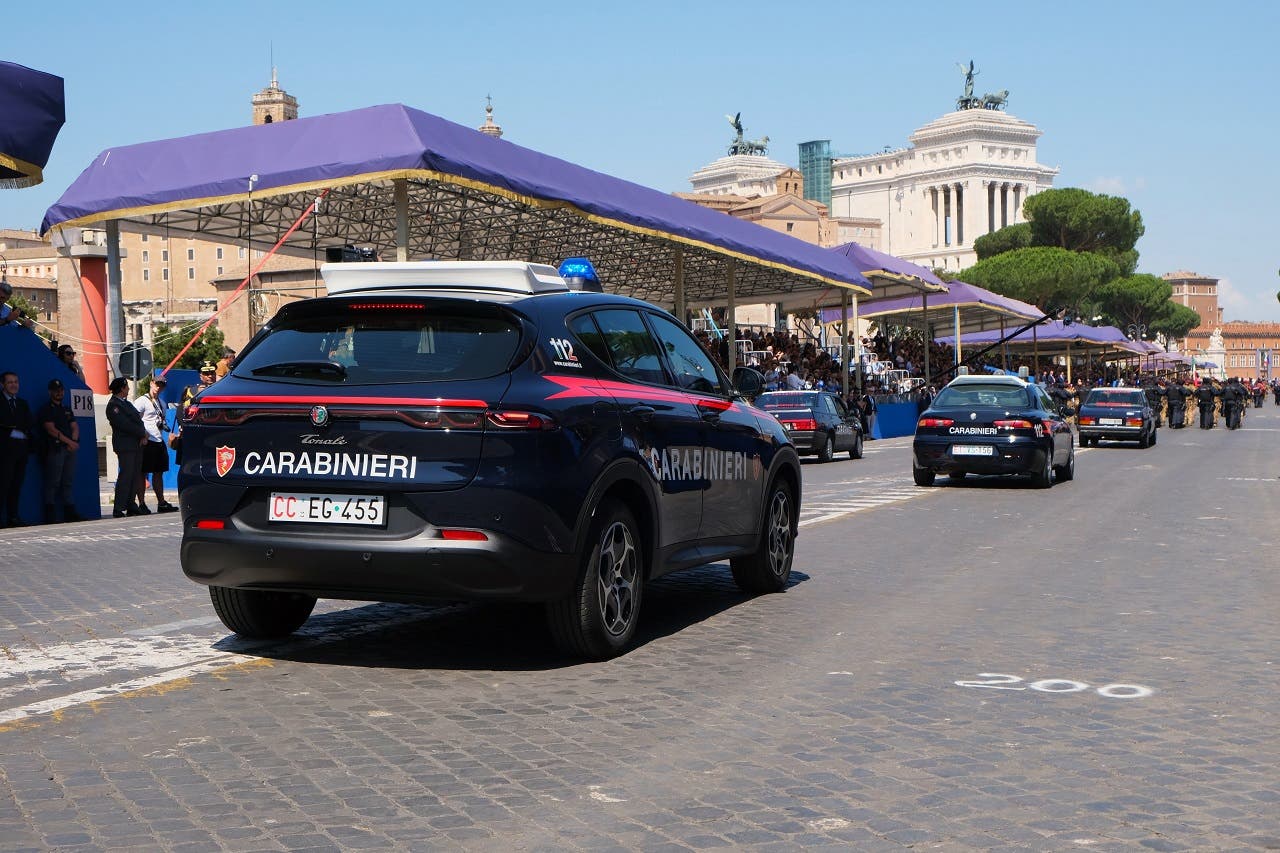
(993, 425)
(817, 422)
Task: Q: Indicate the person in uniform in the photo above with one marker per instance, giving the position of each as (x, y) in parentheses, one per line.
(1259, 393)
(1205, 396)
(1233, 397)
(1155, 399)
(1177, 396)
(128, 437)
(61, 440)
(1060, 396)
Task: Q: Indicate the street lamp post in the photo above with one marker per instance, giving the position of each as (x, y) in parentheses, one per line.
(1137, 332)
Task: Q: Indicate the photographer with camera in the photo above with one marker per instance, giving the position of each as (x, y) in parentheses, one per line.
(8, 313)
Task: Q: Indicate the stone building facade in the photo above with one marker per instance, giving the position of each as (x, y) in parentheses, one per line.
(964, 175)
(1239, 347)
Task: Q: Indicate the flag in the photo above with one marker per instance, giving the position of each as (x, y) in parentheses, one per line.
(33, 108)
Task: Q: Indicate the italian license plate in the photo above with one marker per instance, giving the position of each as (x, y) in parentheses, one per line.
(327, 509)
(1110, 421)
(972, 450)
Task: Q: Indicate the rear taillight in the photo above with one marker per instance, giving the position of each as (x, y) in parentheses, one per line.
(934, 423)
(508, 420)
(1088, 421)
(211, 524)
(1013, 424)
(1133, 422)
(809, 425)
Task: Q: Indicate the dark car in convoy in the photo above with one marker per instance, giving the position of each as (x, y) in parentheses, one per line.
(993, 425)
(818, 422)
(1117, 414)
(478, 431)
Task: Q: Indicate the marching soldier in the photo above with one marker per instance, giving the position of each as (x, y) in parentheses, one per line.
(1155, 395)
(1205, 395)
(1177, 396)
(1233, 397)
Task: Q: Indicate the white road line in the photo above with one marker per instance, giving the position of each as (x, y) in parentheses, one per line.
(27, 668)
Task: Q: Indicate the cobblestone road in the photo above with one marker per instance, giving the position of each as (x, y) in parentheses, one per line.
(974, 666)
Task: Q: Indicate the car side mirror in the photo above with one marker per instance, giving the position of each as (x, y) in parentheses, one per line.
(748, 382)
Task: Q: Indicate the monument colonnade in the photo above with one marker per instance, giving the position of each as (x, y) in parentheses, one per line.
(956, 220)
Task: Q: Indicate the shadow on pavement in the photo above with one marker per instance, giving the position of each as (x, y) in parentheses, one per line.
(499, 637)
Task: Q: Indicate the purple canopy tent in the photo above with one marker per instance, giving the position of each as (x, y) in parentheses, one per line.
(413, 185)
(964, 307)
(890, 276)
(1058, 338)
(31, 114)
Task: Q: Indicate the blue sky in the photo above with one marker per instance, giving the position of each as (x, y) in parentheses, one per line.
(1171, 104)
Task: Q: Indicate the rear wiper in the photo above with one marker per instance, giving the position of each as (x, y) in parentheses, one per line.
(327, 369)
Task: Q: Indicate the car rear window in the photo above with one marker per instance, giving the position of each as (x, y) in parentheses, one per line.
(403, 343)
(785, 401)
(972, 395)
(1106, 395)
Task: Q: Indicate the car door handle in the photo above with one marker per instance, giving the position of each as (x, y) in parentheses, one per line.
(644, 413)
(710, 413)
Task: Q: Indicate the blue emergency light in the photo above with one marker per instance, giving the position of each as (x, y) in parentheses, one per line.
(580, 274)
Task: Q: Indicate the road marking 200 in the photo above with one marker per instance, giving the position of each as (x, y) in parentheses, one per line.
(1000, 681)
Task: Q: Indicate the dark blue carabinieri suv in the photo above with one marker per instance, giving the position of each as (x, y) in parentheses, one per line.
(470, 431)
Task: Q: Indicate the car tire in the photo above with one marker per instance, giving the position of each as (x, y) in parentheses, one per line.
(1066, 473)
(828, 450)
(1144, 441)
(923, 476)
(598, 619)
(1043, 478)
(856, 453)
(1155, 433)
(258, 614)
(769, 568)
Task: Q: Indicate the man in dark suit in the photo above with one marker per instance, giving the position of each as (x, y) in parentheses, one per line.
(128, 437)
(15, 441)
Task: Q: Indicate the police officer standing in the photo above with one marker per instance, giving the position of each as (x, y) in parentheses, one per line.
(1205, 395)
(128, 437)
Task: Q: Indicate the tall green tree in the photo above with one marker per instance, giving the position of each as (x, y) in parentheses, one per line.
(1074, 219)
(1133, 300)
(1005, 240)
(168, 342)
(1049, 277)
(1174, 321)
(1082, 221)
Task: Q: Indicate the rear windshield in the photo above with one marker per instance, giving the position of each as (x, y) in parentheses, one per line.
(785, 401)
(1107, 395)
(409, 343)
(973, 395)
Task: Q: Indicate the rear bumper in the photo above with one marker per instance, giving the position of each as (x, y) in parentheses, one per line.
(1010, 456)
(415, 569)
(1113, 433)
(804, 441)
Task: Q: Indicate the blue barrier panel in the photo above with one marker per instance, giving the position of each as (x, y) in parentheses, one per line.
(177, 382)
(895, 419)
(28, 355)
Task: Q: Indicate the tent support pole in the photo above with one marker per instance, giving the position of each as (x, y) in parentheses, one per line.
(857, 347)
(401, 188)
(680, 310)
(731, 321)
(928, 338)
(1035, 343)
(844, 343)
(115, 303)
(955, 320)
(1004, 360)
